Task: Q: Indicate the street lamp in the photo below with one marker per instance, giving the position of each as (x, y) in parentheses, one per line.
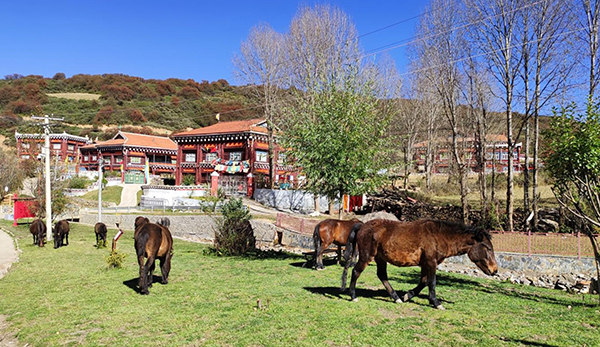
(100, 164)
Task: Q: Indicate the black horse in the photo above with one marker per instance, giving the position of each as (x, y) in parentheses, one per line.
(101, 231)
(61, 233)
(38, 229)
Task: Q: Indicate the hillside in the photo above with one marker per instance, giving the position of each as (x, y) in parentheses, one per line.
(96, 105)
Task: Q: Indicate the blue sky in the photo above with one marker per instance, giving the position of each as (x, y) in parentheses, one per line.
(163, 39)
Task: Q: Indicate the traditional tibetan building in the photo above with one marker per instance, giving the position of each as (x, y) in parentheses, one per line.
(64, 146)
(134, 156)
(232, 149)
(496, 155)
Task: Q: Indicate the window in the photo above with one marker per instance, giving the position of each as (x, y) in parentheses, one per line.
(210, 157)
(86, 157)
(25, 156)
(281, 158)
(235, 156)
(56, 146)
(443, 156)
(71, 148)
(94, 158)
(190, 157)
(118, 160)
(24, 145)
(261, 156)
(135, 160)
(504, 156)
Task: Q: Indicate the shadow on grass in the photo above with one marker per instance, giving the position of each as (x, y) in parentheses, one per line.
(527, 343)
(336, 293)
(133, 283)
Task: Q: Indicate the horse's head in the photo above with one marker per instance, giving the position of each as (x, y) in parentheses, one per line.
(482, 253)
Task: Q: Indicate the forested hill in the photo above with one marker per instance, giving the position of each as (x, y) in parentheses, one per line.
(90, 103)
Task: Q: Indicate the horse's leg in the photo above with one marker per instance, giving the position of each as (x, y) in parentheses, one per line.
(143, 276)
(358, 269)
(34, 239)
(383, 277)
(165, 268)
(67, 239)
(416, 290)
(151, 273)
(431, 281)
(322, 246)
(339, 254)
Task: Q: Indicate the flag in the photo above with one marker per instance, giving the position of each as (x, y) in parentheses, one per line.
(218, 117)
(147, 172)
(121, 167)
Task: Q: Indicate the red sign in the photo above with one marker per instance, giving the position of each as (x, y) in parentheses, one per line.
(23, 208)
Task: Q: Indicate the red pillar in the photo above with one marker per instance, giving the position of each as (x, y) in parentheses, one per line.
(214, 183)
(250, 187)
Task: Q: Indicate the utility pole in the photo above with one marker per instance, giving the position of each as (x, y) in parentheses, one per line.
(46, 153)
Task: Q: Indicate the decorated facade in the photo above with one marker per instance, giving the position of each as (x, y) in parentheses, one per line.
(135, 157)
(63, 147)
(231, 149)
(496, 155)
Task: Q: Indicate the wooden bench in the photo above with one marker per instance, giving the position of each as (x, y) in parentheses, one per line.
(310, 256)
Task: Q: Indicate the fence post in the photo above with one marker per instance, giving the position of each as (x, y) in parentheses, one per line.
(578, 246)
(529, 242)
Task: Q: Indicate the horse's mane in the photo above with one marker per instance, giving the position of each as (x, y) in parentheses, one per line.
(461, 228)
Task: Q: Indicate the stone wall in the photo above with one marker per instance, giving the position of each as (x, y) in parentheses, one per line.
(197, 228)
(292, 200)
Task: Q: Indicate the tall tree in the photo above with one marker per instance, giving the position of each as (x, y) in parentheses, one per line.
(498, 37)
(261, 63)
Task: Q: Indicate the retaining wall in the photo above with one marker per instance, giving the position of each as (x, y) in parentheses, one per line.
(292, 200)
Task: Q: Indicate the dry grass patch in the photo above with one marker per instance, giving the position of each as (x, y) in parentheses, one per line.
(75, 96)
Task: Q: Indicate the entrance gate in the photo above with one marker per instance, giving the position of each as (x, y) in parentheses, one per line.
(134, 177)
(233, 184)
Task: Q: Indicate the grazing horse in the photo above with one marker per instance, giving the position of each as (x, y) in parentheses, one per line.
(331, 231)
(61, 233)
(152, 241)
(38, 229)
(164, 221)
(101, 231)
(425, 243)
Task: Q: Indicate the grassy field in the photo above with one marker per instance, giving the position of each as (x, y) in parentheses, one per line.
(109, 194)
(68, 297)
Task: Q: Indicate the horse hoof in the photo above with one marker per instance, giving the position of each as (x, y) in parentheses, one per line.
(440, 307)
(405, 298)
(320, 268)
(399, 301)
(355, 300)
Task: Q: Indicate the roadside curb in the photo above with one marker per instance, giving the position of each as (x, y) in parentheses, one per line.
(6, 265)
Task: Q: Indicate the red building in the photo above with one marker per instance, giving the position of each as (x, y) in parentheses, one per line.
(496, 155)
(232, 149)
(134, 156)
(64, 146)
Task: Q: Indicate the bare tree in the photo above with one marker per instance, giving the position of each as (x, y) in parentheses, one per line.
(261, 63)
(440, 51)
(498, 37)
(590, 20)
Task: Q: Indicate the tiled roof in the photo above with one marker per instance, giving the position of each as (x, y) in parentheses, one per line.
(137, 140)
(250, 125)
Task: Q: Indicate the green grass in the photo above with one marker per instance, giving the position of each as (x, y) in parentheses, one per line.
(68, 297)
(109, 194)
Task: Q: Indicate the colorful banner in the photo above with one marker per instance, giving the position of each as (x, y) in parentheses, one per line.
(230, 166)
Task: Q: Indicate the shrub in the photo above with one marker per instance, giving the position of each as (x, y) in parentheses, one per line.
(79, 183)
(115, 259)
(234, 234)
(188, 180)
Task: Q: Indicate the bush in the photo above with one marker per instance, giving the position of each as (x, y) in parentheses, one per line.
(115, 259)
(234, 234)
(79, 183)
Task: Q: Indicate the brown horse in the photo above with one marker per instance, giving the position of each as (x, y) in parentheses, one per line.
(425, 243)
(331, 231)
(100, 230)
(60, 232)
(38, 229)
(152, 241)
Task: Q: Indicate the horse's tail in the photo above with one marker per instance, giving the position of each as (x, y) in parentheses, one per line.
(349, 253)
(317, 239)
(141, 239)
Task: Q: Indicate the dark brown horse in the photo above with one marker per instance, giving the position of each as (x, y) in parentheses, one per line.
(61, 233)
(152, 241)
(38, 229)
(331, 231)
(424, 243)
(100, 230)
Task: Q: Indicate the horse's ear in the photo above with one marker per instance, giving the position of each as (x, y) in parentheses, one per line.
(478, 235)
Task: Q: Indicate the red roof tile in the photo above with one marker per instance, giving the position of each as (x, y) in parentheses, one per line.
(228, 128)
(137, 140)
